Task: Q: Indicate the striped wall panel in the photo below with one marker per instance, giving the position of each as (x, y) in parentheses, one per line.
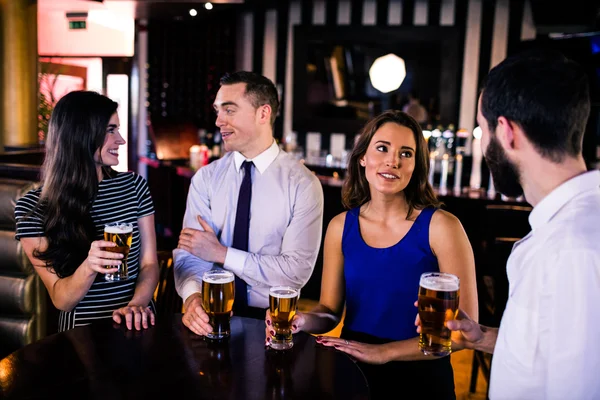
(489, 30)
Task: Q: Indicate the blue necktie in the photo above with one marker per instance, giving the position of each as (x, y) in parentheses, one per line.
(240, 232)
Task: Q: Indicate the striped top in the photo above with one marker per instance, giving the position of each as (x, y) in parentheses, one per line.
(122, 198)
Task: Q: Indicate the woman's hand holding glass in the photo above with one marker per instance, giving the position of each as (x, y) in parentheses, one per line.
(98, 258)
(297, 323)
(369, 353)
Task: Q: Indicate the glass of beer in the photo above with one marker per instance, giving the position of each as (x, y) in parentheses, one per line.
(121, 234)
(438, 303)
(218, 292)
(283, 303)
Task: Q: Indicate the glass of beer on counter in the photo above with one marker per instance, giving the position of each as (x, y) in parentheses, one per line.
(438, 303)
(283, 303)
(218, 292)
(119, 233)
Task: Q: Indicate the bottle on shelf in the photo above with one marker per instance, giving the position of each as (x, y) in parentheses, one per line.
(199, 156)
(461, 141)
(202, 136)
(449, 141)
(291, 142)
(436, 147)
(150, 150)
(216, 147)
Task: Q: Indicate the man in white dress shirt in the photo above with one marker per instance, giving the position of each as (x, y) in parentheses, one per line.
(533, 111)
(286, 207)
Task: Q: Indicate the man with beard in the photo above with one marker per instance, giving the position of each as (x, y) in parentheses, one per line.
(533, 111)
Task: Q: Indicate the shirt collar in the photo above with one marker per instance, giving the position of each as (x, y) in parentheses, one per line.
(261, 161)
(553, 202)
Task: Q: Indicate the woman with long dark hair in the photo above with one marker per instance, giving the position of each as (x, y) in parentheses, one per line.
(61, 224)
(374, 255)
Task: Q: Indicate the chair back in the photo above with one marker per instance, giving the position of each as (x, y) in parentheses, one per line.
(504, 225)
(22, 294)
(167, 300)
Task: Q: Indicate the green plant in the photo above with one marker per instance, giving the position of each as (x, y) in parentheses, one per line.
(47, 79)
(44, 111)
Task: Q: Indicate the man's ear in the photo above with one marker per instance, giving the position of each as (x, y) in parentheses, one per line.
(264, 113)
(507, 135)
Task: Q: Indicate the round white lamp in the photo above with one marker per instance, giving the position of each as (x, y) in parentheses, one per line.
(387, 73)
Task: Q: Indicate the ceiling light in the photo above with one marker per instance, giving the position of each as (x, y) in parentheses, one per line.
(193, 12)
(208, 6)
(387, 73)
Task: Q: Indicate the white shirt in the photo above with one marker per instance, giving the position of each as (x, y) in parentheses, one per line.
(548, 344)
(286, 222)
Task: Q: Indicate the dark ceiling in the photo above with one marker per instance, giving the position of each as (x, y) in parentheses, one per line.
(576, 16)
(169, 9)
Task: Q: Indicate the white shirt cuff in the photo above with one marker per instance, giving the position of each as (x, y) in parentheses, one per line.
(189, 288)
(235, 260)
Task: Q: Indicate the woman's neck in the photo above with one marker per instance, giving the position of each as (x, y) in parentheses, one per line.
(103, 172)
(386, 208)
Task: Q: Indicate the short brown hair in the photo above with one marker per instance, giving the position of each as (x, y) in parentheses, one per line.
(259, 89)
(419, 193)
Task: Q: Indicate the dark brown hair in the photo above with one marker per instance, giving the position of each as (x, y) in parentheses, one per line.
(76, 131)
(544, 92)
(259, 90)
(418, 193)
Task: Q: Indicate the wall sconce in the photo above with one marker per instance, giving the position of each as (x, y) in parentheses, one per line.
(387, 73)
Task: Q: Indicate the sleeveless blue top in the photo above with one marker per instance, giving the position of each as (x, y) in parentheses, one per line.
(383, 284)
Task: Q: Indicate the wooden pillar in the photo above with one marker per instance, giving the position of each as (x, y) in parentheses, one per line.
(18, 75)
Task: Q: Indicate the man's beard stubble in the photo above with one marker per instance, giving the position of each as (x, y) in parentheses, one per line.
(505, 174)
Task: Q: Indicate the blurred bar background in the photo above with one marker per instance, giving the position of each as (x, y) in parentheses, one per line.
(161, 61)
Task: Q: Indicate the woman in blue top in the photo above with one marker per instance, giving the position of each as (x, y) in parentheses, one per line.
(374, 255)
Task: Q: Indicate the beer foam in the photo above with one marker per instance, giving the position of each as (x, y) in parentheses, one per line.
(121, 228)
(283, 292)
(439, 283)
(219, 278)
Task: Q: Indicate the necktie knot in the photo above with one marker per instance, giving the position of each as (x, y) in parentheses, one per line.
(247, 165)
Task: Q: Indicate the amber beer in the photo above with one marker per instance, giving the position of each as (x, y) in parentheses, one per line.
(120, 233)
(438, 303)
(283, 302)
(218, 292)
